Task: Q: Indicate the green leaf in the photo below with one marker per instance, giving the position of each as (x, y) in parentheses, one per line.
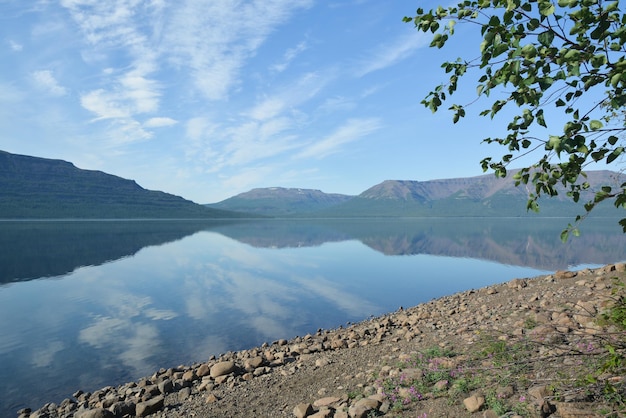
(594, 125)
(554, 142)
(540, 119)
(546, 38)
(546, 8)
(613, 156)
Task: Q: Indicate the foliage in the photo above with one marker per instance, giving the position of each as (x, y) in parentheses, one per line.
(544, 60)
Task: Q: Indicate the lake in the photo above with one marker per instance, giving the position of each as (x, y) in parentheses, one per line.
(86, 304)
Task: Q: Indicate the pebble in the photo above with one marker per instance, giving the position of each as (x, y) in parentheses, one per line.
(452, 316)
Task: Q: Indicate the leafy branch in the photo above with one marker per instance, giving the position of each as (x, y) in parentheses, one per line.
(568, 58)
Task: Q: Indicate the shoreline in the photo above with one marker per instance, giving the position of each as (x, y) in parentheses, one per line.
(338, 373)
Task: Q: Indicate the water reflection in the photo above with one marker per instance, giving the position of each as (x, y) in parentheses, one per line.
(31, 250)
(515, 241)
(168, 296)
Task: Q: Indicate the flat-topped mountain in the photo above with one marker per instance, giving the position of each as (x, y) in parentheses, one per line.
(279, 201)
(32, 187)
(482, 196)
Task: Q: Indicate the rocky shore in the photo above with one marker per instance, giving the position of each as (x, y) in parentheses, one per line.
(516, 349)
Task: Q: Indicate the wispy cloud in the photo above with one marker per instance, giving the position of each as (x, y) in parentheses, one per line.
(289, 56)
(390, 54)
(351, 131)
(108, 28)
(105, 105)
(45, 81)
(214, 39)
(291, 95)
(268, 129)
(159, 122)
(15, 46)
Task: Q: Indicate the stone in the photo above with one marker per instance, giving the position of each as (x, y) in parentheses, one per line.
(151, 406)
(190, 376)
(166, 386)
(538, 394)
(369, 403)
(203, 370)
(222, 368)
(559, 275)
(321, 362)
(505, 392)
(211, 398)
(122, 408)
(490, 413)
(302, 410)
(517, 283)
(253, 363)
(474, 403)
(221, 379)
(577, 410)
(338, 344)
(442, 385)
(327, 401)
(184, 393)
(95, 413)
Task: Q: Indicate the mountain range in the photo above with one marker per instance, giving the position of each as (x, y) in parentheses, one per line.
(481, 196)
(32, 187)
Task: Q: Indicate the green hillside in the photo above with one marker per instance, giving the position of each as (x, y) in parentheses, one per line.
(281, 202)
(32, 187)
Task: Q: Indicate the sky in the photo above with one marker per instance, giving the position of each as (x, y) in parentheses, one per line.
(206, 99)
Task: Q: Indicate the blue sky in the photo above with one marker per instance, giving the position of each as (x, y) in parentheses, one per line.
(209, 98)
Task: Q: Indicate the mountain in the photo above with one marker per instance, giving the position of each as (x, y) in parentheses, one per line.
(32, 187)
(279, 201)
(481, 196)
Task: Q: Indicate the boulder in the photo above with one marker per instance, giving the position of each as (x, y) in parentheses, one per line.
(474, 403)
(151, 406)
(95, 413)
(222, 368)
(302, 410)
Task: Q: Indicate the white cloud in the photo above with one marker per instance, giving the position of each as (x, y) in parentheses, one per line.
(352, 130)
(388, 55)
(247, 178)
(337, 103)
(141, 92)
(268, 108)
(199, 127)
(17, 47)
(291, 95)
(108, 22)
(45, 81)
(159, 122)
(214, 39)
(105, 105)
(289, 56)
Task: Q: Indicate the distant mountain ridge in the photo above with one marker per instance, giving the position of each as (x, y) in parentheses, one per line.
(482, 196)
(280, 201)
(32, 187)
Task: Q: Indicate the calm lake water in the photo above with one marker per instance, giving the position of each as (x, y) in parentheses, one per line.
(86, 304)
